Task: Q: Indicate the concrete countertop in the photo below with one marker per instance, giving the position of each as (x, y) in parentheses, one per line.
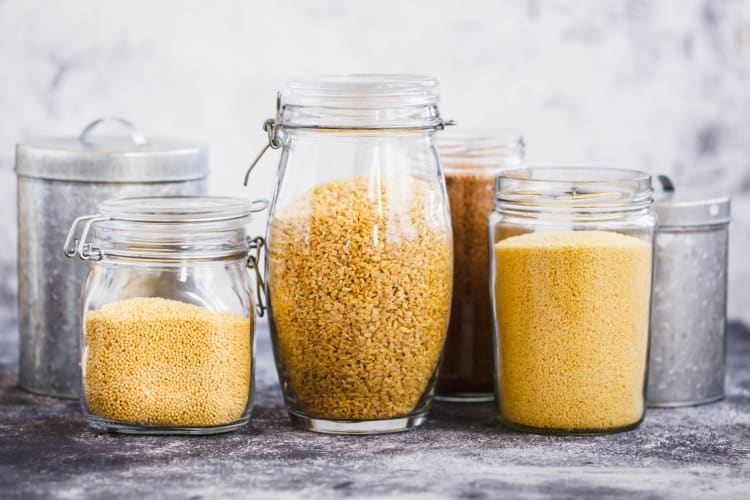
(47, 452)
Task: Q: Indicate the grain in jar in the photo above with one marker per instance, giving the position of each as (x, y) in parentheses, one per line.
(572, 309)
(360, 251)
(360, 327)
(168, 314)
(571, 298)
(471, 160)
(163, 362)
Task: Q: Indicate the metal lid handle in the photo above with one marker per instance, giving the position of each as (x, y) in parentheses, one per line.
(135, 135)
(666, 183)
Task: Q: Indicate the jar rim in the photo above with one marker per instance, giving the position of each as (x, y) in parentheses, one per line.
(495, 147)
(573, 188)
(573, 174)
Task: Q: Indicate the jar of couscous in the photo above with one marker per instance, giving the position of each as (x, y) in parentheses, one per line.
(570, 270)
(168, 314)
(471, 160)
(360, 252)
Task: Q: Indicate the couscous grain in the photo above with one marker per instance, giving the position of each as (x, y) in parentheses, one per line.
(155, 361)
(360, 282)
(573, 314)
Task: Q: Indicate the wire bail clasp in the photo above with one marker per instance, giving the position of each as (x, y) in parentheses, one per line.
(256, 246)
(271, 127)
(77, 244)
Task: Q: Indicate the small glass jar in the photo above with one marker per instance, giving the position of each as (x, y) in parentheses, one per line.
(471, 160)
(360, 252)
(570, 269)
(168, 315)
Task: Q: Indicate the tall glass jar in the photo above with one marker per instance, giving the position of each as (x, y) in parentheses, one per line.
(360, 252)
(471, 160)
(570, 269)
(168, 315)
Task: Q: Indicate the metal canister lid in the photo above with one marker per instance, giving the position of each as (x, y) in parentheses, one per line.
(112, 159)
(690, 207)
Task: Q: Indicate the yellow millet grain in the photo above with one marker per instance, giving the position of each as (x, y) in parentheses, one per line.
(573, 312)
(360, 283)
(162, 362)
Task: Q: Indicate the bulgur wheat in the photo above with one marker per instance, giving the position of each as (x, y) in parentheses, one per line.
(360, 282)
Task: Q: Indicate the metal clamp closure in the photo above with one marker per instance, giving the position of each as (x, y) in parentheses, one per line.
(272, 126)
(78, 245)
(257, 245)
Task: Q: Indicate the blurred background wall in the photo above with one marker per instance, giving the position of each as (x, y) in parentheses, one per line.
(662, 86)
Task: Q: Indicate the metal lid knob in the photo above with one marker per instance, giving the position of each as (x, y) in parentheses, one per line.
(135, 135)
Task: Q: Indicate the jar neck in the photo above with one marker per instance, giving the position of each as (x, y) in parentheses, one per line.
(370, 119)
(579, 194)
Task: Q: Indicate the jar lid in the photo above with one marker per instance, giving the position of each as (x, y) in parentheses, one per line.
(362, 90)
(568, 189)
(465, 149)
(164, 228)
(180, 209)
(132, 158)
(690, 207)
(361, 101)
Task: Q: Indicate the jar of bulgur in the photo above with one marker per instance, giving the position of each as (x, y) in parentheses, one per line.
(168, 314)
(360, 252)
(471, 160)
(570, 271)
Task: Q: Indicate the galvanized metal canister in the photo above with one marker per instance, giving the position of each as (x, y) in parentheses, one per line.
(58, 179)
(688, 319)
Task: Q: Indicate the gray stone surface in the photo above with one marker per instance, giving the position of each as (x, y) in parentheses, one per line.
(701, 452)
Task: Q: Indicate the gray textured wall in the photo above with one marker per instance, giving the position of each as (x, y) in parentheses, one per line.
(662, 86)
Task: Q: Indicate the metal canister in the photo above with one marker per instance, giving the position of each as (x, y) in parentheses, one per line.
(58, 179)
(688, 319)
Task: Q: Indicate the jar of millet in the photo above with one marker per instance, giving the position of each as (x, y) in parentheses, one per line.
(471, 160)
(570, 272)
(168, 314)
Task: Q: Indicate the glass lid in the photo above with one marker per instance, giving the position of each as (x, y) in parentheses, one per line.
(180, 209)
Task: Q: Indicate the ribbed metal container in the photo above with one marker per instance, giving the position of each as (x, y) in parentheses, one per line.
(58, 179)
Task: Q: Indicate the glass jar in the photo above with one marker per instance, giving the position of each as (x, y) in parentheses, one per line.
(471, 160)
(360, 252)
(168, 316)
(570, 269)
